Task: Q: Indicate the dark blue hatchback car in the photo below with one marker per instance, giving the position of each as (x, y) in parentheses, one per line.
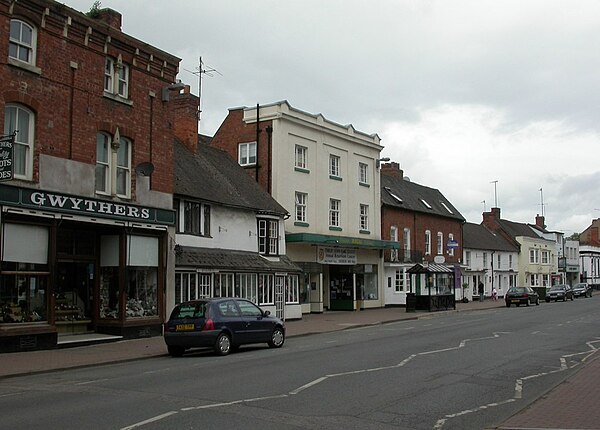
(222, 324)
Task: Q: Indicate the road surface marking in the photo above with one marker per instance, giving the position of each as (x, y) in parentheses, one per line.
(150, 420)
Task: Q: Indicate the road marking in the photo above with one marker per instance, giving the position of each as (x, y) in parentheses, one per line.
(150, 420)
(12, 394)
(91, 382)
(310, 384)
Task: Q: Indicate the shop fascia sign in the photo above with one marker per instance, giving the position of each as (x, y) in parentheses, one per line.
(332, 255)
(39, 199)
(6, 157)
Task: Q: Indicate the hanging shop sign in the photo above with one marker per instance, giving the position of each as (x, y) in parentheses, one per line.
(6, 157)
(64, 203)
(327, 255)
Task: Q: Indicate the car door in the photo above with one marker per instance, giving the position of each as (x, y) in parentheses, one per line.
(231, 318)
(258, 328)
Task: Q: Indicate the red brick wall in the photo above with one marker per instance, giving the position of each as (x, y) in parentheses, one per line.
(234, 131)
(62, 92)
(418, 223)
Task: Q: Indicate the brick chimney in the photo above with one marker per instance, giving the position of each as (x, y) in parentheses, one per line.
(184, 113)
(110, 17)
(491, 218)
(392, 169)
(540, 221)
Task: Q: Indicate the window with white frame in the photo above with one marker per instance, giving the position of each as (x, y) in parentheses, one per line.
(363, 173)
(534, 256)
(113, 165)
(427, 242)
(364, 217)
(334, 165)
(499, 261)
(394, 238)
(406, 243)
(440, 243)
(399, 284)
(224, 285)
(17, 117)
(22, 41)
(545, 280)
(268, 236)
(451, 249)
(192, 285)
(485, 262)
(301, 153)
(292, 291)
(510, 261)
(247, 154)
(468, 258)
(266, 289)
(301, 202)
(545, 257)
(116, 77)
(196, 218)
(246, 286)
(334, 213)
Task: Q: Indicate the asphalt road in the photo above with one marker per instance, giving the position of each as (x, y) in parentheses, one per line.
(468, 370)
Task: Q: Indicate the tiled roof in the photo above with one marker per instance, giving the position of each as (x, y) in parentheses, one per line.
(226, 259)
(413, 196)
(212, 175)
(516, 229)
(476, 236)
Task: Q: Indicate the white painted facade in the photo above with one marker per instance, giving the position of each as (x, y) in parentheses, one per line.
(589, 260)
(493, 268)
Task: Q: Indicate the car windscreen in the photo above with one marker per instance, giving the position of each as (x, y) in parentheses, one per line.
(557, 288)
(189, 310)
(515, 290)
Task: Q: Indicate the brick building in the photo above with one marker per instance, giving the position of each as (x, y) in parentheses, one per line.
(86, 219)
(428, 229)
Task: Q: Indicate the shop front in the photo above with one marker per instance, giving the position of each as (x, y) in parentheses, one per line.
(344, 271)
(71, 265)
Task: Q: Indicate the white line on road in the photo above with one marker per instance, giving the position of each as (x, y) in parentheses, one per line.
(150, 420)
(91, 382)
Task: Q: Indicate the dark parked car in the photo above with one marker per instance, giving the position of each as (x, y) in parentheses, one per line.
(521, 296)
(221, 323)
(559, 292)
(582, 289)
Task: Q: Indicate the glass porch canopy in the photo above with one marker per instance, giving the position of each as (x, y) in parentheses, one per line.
(433, 286)
(344, 241)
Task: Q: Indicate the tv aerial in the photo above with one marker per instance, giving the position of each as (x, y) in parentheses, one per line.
(202, 69)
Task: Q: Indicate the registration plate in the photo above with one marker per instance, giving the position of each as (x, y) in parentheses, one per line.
(515, 301)
(184, 327)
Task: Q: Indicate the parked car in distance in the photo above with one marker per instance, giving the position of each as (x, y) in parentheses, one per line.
(559, 292)
(582, 289)
(222, 324)
(521, 296)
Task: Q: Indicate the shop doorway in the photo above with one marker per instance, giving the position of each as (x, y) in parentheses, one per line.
(280, 297)
(341, 288)
(74, 297)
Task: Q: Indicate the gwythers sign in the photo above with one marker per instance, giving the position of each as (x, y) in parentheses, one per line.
(39, 199)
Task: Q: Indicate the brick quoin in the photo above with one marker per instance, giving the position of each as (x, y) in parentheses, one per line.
(69, 89)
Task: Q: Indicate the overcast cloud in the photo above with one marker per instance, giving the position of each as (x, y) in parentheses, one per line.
(462, 93)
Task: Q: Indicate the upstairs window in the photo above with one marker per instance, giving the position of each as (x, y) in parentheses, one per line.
(196, 218)
(334, 166)
(427, 242)
(18, 118)
(116, 77)
(394, 238)
(406, 244)
(113, 165)
(334, 213)
(545, 257)
(301, 152)
(247, 154)
(451, 239)
(363, 173)
(301, 202)
(364, 217)
(440, 243)
(268, 236)
(22, 42)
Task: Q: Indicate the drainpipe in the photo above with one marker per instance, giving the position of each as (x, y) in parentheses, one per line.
(257, 138)
(269, 131)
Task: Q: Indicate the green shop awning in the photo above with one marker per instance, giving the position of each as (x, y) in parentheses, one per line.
(344, 241)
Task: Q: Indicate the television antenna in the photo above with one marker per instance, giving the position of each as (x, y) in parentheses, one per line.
(202, 69)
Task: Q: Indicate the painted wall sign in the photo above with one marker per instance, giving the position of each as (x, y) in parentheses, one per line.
(326, 255)
(39, 199)
(6, 157)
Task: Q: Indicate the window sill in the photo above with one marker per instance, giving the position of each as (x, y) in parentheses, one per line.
(332, 228)
(25, 66)
(335, 178)
(364, 231)
(301, 170)
(364, 184)
(301, 224)
(118, 98)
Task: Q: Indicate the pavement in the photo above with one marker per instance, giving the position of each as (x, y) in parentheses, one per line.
(570, 405)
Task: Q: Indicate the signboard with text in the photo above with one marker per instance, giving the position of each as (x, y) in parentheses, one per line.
(6, 157)
(327, 255)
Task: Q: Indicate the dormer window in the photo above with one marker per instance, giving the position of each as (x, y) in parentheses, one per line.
(268, 236)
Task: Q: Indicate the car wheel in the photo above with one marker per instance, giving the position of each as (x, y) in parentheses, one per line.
(277, 338)
(537, 301)
(223, 344)
(175, 351)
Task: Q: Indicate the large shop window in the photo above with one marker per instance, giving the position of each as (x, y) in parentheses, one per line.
(109, 277)
(142, 277)
(292, 291)
(192, 285)
(24, 274)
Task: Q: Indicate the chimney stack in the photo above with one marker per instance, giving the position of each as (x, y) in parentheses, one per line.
(540, 221)
(110, 17)
(184, 113)
(392, 169)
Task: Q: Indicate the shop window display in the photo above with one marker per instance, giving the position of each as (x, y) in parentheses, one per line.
(23, 297)
(142, 292)
(109, 293)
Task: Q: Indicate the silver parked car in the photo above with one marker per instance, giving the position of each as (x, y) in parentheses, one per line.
(582, 290)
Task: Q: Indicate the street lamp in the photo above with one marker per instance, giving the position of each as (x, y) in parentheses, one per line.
(379, 160)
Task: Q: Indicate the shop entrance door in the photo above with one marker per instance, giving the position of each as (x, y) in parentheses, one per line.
(74, 297)
(341, 288)
(280, 297)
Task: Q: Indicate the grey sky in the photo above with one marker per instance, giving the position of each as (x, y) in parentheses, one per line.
(462, 93)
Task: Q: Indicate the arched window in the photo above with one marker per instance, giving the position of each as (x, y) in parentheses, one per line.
(21, 119)
(113, 167)
(22, 41)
